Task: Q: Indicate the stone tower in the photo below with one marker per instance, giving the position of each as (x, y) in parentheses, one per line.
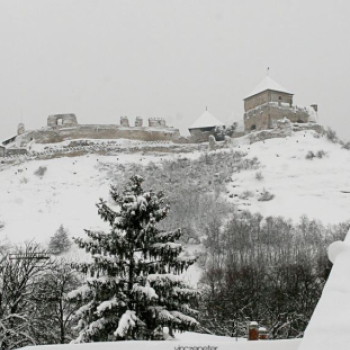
(269, 102)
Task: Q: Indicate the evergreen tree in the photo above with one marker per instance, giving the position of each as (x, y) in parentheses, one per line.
(60, 242)
(133, 287)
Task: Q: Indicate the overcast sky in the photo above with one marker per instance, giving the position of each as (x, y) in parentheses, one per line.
(157, 58)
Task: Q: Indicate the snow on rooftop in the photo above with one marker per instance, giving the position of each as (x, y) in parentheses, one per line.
(206, 120)
(268, 84)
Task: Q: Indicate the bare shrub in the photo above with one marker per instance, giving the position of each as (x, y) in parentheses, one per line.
(266, 196)
(23, 180)
(259, 176)
(310, 155)
(331, 135)
(246, 195)
(40, 171)
(320, 154)
(346, 145)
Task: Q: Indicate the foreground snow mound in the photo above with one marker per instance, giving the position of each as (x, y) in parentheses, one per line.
(329, 325)
(195, 342)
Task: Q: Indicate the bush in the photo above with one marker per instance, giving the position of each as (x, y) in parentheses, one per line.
(320, 154)
(219, 133)
(40, 171)
(310, 155)
(23, 180)
(331, 135)
(246, 195)
(60, 242)
(266, 196)
(259, 176)
(346, 145)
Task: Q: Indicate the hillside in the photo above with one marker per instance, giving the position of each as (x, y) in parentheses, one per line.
(34, 206)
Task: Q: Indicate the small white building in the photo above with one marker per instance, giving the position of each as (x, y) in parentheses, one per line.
(204, 126)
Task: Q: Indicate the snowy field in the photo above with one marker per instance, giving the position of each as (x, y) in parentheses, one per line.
(186, 341)
(33, 207)
(318, 187)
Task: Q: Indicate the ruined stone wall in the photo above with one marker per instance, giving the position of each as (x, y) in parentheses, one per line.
(124, 121)
(96, 131)
(156, 123)
(267, 96)
(138, 122)
(308, 126)
(15, 152)
(62, 120)
(265, 116)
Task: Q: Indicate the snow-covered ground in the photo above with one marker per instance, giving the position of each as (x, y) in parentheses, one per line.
(185, 341)
(34, 207)
(318, 187)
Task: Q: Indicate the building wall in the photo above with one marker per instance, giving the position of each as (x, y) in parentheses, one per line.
(201, 135)
(266, 96)
(62, 120)
(265, 116)
(2, 151)
(15, 152)
(96, 131)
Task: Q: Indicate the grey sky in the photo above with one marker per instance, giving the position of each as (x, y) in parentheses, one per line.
(105, 58)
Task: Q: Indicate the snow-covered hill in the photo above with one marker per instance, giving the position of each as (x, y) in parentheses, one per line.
(33, 206)
(317, 187)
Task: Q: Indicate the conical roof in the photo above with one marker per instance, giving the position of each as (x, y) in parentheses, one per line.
(206, 120)
(268, 84)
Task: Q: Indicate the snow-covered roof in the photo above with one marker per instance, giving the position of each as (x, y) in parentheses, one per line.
(206, 120)
(268, 84)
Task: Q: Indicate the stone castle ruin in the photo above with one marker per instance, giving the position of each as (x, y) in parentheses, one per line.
(62, 120)
(270, 102)
(264, 107)
(61, 127)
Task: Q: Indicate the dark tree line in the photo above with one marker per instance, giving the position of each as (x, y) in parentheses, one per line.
(33, 309)
(271, 271)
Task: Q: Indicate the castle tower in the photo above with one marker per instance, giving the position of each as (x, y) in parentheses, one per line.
(269, 102)
(138, 122)
(124, 121)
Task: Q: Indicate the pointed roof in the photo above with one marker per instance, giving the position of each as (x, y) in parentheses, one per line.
(206, 120)
(268, 84)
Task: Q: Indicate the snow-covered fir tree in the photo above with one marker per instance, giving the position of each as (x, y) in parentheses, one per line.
(60, 242)
(133, 285)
